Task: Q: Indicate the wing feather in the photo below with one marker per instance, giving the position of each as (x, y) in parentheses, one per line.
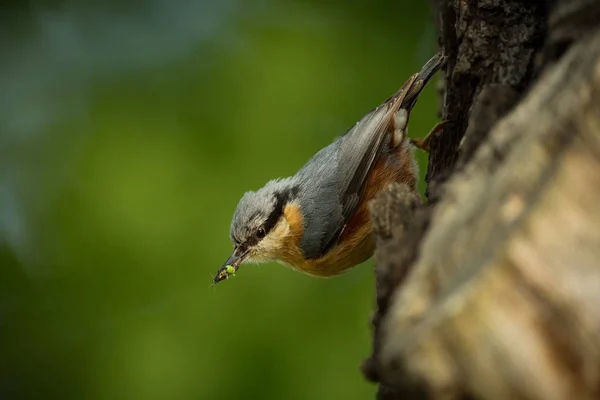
(356, 156)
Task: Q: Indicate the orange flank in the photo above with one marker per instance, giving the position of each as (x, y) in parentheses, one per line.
(355, 244)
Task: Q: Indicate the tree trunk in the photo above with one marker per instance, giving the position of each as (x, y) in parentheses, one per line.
(492, 289)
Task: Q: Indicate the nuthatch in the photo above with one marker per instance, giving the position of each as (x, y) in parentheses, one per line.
(318, 221)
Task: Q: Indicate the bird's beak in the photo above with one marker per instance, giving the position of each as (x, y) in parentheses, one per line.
(231, 266)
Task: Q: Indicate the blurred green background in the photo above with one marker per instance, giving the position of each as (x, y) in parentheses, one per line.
(128, 132)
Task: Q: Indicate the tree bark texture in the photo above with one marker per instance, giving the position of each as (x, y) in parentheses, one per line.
(491, 290)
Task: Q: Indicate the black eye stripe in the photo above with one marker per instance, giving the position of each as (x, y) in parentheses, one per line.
(281, 199)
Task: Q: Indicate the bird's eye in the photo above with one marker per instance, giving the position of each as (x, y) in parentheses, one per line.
(260, 233)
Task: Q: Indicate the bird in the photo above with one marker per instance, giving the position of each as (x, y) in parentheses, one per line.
(317, 221)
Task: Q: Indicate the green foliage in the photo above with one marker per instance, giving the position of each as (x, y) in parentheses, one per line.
(120, 184)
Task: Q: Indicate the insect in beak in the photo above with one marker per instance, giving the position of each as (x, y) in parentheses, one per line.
(230, 267)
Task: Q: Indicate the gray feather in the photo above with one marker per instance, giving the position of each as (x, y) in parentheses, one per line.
(334, 180)
(330, 185)
(255, 207)
(320, 199)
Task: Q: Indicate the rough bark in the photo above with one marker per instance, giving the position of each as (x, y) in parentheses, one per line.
(492, 289)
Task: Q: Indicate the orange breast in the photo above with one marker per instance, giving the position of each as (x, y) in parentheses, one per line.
(355, 244)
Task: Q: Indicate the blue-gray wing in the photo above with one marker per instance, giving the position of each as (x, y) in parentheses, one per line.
(336, 176)
(334, 179)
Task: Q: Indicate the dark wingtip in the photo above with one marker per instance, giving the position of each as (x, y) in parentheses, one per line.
(432, 66)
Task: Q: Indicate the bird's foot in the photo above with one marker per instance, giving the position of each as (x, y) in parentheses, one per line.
(423, 143)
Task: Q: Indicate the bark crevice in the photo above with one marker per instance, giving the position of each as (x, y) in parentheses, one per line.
(492, 289)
